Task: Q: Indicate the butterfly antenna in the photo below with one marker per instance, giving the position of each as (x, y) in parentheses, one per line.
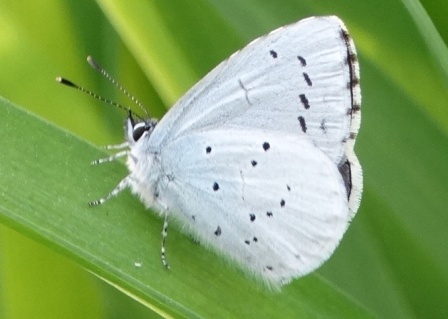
(104, 73)
(94, 95)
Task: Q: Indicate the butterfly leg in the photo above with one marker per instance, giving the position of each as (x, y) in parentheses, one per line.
(110, 158)
(164, 235)
(122, 185)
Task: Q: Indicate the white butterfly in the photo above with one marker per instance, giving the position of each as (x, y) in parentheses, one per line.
(256, 160)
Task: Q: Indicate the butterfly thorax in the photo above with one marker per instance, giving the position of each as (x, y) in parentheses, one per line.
(143, 164)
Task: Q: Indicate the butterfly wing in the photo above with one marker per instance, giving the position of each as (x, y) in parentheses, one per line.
(299, 79)
(271, 201)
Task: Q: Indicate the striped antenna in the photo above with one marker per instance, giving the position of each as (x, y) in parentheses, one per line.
(104, 73)
(94, 95)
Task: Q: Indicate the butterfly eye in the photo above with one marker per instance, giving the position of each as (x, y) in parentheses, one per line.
(138, 130)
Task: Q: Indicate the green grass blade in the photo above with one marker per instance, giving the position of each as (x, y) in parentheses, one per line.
(46, 181)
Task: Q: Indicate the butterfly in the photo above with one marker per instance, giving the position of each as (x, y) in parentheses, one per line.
(256, 161)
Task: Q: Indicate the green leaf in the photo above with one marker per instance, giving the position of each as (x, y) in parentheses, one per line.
(46, 181)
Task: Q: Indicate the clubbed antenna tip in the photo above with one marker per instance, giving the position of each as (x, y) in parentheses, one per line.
(65, 82)
(93, 63)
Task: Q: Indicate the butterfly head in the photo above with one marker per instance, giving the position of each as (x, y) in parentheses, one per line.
(138, 130)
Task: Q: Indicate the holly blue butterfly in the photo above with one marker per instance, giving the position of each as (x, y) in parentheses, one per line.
(256, 161)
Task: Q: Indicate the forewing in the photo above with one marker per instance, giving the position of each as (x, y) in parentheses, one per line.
(272, 202)
(299, 79)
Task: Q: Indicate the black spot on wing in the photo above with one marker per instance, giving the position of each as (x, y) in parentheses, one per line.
(345, 36)
(302, 123)
(254, 163)
(269, 214)
(252, 217)
(208, 149)
(273, 54)
(352, 83)
(282, 203)
(215, 186)
(218, 231)
(302, 60)
(266, 146)
(346, 173)
(307, 79)
(304, 101)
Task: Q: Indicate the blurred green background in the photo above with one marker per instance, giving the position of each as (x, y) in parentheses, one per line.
(393, 260)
